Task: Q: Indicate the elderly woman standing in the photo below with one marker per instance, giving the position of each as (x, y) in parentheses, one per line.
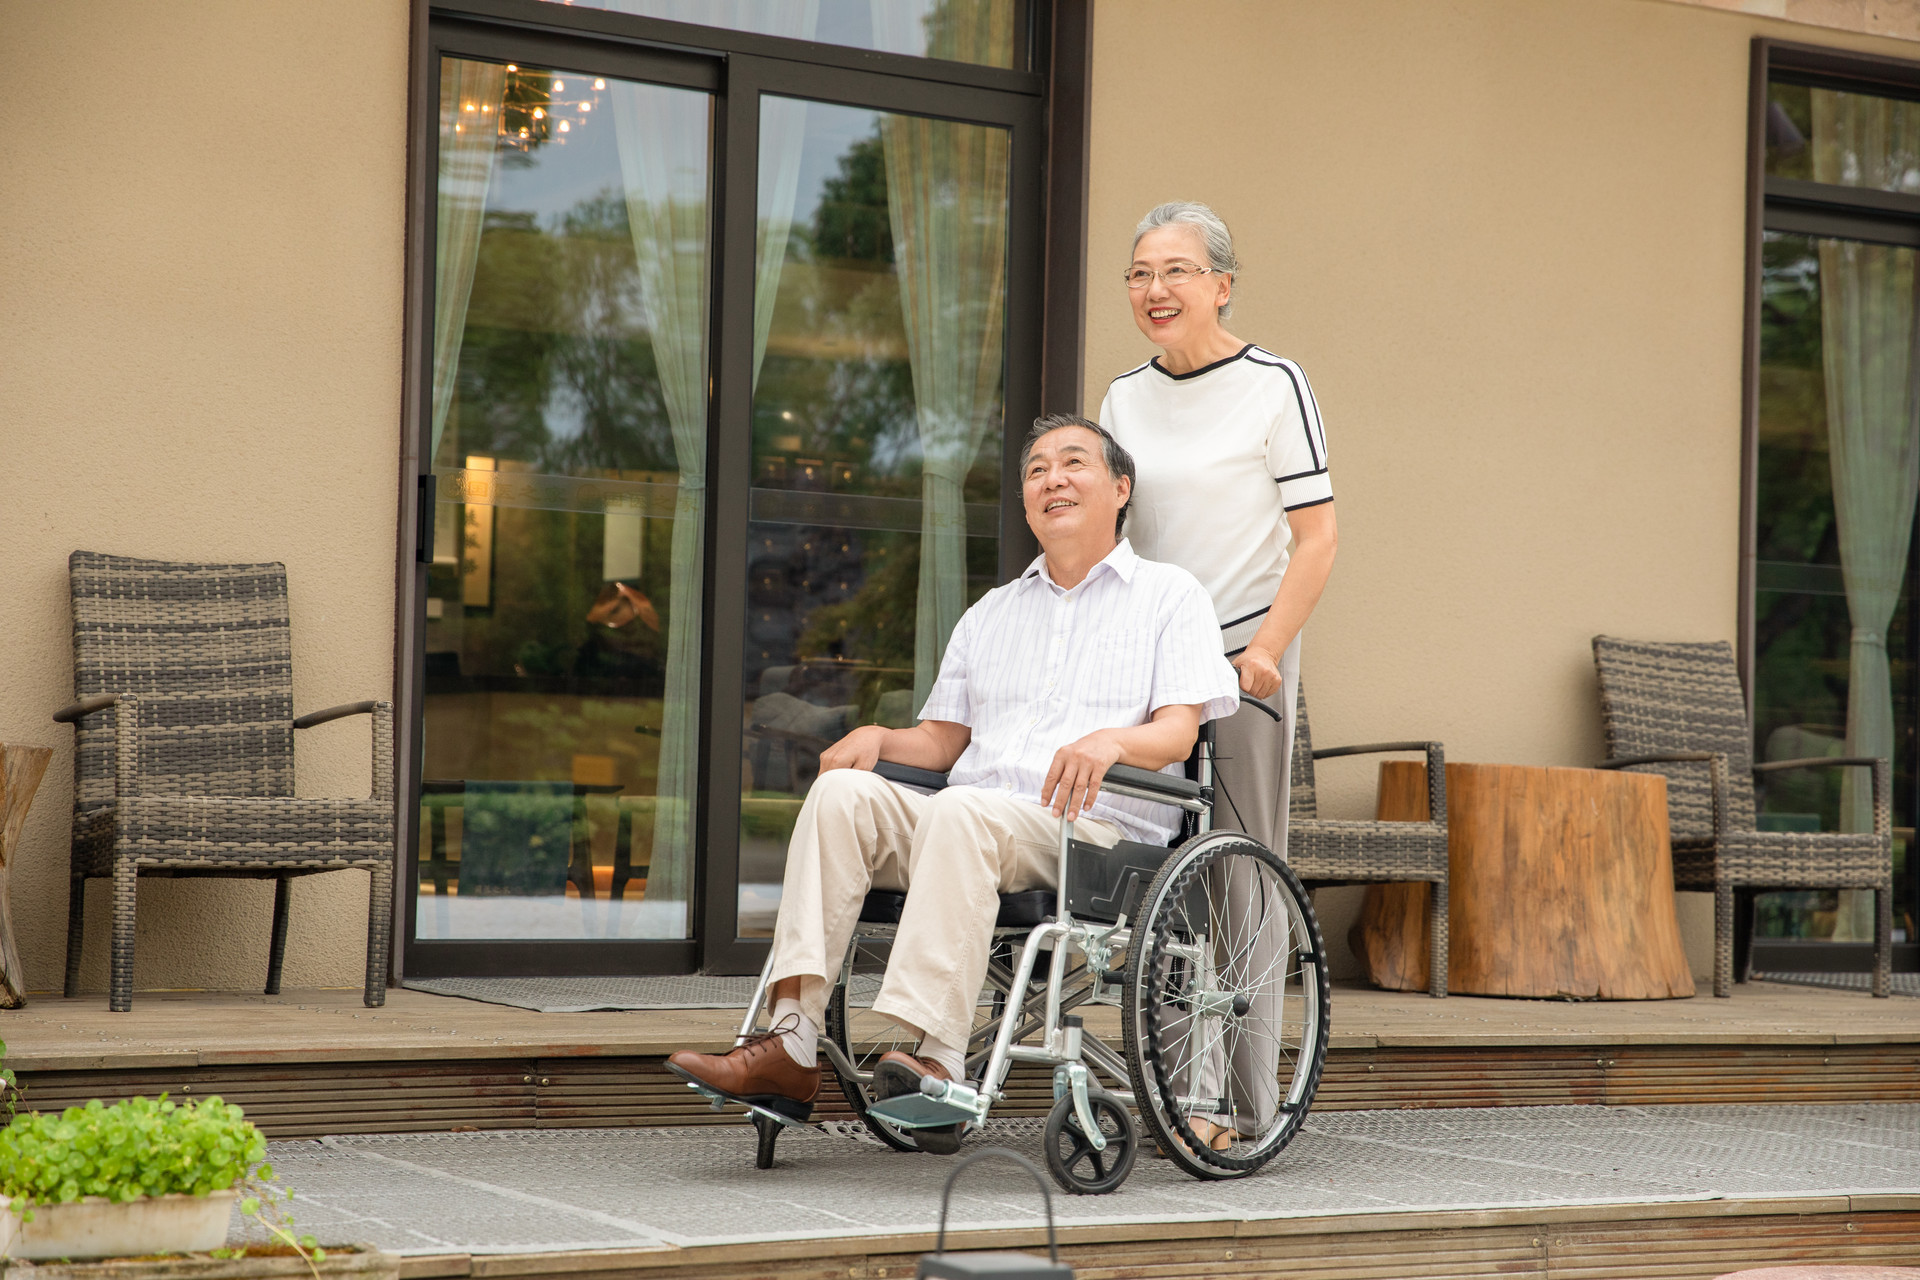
(1232, 468)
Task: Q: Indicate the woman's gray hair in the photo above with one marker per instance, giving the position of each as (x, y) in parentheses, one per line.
(1213, 234)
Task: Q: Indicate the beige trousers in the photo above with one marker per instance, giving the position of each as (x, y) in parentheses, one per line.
(953, 852)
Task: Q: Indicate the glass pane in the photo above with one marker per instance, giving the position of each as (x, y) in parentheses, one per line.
(1835, 352)
(879, 319)
(1845, 139)
(977, 31)
(569, 436)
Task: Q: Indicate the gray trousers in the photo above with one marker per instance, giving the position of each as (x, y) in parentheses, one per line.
(1252, 772)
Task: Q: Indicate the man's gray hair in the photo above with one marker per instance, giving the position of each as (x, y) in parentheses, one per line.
(1213, 234)
(1112, 452)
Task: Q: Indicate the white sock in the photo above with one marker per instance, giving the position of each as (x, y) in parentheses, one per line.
(954, 1060)
(801, 1039)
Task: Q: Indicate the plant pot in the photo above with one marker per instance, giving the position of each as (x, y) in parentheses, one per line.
(348, 1262)
(95, 1227)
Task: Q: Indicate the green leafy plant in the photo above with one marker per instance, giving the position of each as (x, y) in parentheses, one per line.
(145, 1147)
(140, 1147)
(9, 1086)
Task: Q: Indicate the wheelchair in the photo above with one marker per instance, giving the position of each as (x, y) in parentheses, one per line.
(1209, 951)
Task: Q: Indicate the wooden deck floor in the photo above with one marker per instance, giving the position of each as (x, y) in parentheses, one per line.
(200, 1028)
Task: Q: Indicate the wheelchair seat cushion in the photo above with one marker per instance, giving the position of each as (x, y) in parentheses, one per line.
(1017, 910)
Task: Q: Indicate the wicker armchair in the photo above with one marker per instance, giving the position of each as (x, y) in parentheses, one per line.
(1678, 709)
(183, 754)
(1324, 851)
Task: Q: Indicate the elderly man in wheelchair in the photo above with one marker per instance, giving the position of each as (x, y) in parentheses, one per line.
(1065, 706)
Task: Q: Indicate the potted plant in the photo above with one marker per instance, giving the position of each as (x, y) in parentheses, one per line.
(142, 1176)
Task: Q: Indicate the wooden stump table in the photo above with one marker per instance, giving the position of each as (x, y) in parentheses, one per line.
(21, 769)
(1560, 886)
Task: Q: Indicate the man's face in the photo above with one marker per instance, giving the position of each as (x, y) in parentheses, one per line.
(1070, 495)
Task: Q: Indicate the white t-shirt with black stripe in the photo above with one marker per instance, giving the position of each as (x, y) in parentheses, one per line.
(1223, 454)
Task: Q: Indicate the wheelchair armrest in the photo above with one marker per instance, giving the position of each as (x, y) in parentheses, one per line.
(1145, 784)
(340, 712)
(907, 775)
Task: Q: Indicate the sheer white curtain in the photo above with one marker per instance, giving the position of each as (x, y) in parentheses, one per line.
(664, 140)
(947, 202)
(1868, 334)
(470, 97)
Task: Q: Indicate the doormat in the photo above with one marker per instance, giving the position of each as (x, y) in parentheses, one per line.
(591, 995)
(1903, 984)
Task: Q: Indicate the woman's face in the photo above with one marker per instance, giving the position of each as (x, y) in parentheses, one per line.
(1176, 317)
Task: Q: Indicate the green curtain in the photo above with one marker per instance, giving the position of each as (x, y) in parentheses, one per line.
(947, 202)
(1867, 314)
(663, 137)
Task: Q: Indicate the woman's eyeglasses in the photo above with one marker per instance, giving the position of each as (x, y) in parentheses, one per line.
(1175, 276)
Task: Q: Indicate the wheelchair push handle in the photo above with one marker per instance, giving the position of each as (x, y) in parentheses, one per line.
(940, 1241)
(1261, 707)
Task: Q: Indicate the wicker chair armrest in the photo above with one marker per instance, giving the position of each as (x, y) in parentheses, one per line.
(1882, 783)
(1372, 748)
(340, 712)
(1436, 754)
(74, 712)
(1815, 762)
(1658, 757)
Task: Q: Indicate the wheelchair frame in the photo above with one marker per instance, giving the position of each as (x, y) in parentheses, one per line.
(1074, 1053)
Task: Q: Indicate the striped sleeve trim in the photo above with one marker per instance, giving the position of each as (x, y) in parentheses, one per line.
(1303, 396)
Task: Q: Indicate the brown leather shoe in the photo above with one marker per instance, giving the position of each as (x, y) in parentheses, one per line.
(760, 1071)
(898, 1073)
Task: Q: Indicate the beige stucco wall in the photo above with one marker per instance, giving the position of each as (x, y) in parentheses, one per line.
(1504, 238)
(201, 228)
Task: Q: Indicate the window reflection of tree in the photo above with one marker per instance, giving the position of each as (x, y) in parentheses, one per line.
(557, 377)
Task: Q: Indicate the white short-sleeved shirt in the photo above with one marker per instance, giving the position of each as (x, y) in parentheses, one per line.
(1223, 454)
(1032, 667)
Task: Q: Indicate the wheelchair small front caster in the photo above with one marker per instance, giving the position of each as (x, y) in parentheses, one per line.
(1071, 1159)
(769, 1130)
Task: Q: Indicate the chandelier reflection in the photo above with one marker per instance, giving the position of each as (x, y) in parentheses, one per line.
(538, 108)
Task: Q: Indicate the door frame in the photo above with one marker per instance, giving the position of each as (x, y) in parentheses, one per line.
(1044, 334)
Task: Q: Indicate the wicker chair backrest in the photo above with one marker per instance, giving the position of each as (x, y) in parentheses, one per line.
(209, 650)
(1672, 696)
(1300, 798)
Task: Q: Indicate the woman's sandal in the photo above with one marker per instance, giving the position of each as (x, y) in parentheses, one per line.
(1217, 1137)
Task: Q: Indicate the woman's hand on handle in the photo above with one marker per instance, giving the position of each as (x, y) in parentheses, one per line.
(1259, 672)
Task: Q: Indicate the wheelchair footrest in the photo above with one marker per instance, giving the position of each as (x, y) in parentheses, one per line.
(795, 1115)
(917, 1111)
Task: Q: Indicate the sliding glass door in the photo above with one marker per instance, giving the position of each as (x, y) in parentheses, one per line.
(877, 438)
(560, 709)
(1837, 476)
(716, 366)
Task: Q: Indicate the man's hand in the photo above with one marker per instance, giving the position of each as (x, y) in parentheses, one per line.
(1074, 779)
(1259, 672)
(858, 750)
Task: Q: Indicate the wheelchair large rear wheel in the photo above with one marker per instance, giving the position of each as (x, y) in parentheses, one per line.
(1224, 1005)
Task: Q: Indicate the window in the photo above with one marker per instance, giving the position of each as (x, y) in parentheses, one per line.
(1836, 470)
(716, 354)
